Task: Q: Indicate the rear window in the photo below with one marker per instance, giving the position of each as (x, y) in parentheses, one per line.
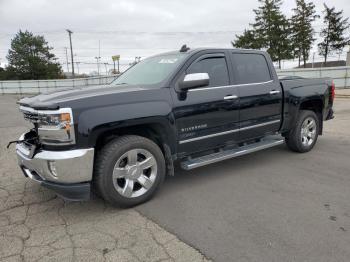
(250, 68)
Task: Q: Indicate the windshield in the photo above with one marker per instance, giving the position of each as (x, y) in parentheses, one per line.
(152, 70)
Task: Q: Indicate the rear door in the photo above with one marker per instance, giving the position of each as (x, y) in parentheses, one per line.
(207, 117)
(260, 95)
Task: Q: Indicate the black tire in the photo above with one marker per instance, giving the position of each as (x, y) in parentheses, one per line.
(294, 137)
(105, 163)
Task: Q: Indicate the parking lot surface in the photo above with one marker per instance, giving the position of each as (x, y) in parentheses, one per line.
(273, 205)
(35, 225)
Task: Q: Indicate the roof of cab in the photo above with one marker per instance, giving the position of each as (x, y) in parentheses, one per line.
(199, 49)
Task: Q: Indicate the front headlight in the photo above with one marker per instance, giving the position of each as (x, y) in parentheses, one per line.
(55, 127)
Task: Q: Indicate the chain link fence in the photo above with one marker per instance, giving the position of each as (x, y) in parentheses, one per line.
(340, 75)
(39, 86)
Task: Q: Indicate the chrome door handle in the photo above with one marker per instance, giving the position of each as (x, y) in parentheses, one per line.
(273, 92)
(230, 97)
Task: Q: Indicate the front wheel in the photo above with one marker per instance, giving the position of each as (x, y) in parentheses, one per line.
(303, 136)
(129, 170)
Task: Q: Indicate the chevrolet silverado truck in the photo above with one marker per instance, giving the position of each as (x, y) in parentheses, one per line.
(190, 107)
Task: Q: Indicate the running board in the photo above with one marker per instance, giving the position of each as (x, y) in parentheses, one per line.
(266, 142)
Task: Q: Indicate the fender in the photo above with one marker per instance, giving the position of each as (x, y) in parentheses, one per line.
(296, 97)
(97, 121)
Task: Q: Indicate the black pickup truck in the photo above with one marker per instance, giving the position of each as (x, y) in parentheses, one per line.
(191, 107)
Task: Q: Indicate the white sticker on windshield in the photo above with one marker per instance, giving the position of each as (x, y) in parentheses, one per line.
(168, 61)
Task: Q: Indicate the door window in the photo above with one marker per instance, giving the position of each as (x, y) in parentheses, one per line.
(216, 68)
(250, 68)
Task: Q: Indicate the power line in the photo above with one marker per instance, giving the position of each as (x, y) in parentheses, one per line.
(93, 63)
(132, 32)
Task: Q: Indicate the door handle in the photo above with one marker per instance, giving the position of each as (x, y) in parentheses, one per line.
(274, 92)
(230, 97)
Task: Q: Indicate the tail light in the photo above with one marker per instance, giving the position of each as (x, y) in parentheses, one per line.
(332, 91)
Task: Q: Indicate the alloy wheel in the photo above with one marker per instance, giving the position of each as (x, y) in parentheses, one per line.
(308, 131)
(134, 173)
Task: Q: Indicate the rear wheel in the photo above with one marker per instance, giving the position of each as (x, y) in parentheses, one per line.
(129, 170)
(303, 136)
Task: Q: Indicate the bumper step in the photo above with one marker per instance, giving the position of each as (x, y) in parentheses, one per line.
(266, 142)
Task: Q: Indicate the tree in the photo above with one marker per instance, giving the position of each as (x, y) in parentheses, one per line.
(2, 74)
(30, 58)
(302, 30)
(247, 40)
(333, 34)
(271, 31)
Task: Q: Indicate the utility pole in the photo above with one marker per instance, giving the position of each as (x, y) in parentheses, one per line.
(99, 48)
(106, 68)
(78, 66)
(313, 59)
(71, 49)
(67, 59)
(98, 64)
(98, 57)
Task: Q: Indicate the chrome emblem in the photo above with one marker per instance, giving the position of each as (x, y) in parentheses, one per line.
(193, 128)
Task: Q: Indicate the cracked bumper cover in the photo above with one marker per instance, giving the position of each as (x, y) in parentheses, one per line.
(68, 173)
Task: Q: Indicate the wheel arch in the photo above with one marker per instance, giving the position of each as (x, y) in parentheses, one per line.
(157, 132)
(315, 105)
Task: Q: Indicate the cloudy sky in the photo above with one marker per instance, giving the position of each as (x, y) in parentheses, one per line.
(132, 27)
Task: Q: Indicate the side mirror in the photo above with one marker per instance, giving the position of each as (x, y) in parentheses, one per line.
(194, 81)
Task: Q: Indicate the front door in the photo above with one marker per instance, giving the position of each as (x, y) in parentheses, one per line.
(207, 117)
(260, 95)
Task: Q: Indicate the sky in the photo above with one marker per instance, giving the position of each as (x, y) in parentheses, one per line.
(133, 28)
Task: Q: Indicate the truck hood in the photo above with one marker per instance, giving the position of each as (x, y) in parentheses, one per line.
(53, 100)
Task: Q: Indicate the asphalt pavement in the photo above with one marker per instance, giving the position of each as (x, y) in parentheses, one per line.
(36, 225)
(273, 205)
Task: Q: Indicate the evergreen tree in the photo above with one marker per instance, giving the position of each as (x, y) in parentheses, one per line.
(271, 31)
(302, 30)
(2, 74)
(334, 38)
(247, 40)
(30, 58)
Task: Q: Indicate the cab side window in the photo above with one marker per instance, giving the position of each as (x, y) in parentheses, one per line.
(250, 68)
(216, 68)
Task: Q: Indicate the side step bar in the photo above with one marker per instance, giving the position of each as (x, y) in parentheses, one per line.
(266, 142)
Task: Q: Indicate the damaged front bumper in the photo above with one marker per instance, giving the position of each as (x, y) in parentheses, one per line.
(68, 173)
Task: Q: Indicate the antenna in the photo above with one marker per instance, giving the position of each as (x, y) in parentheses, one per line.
(184, 48)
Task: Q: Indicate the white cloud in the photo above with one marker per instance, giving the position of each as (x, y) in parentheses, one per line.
(132, 27)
